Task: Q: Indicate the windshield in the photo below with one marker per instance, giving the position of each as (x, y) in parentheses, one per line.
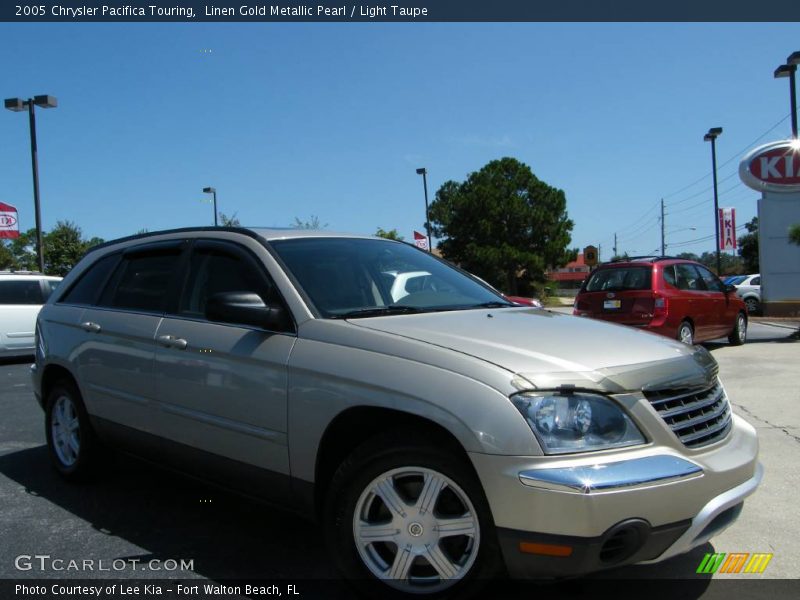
(346, 277)
(621, 278)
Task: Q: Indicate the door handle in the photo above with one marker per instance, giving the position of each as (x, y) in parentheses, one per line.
(172, 341)
(90, 327)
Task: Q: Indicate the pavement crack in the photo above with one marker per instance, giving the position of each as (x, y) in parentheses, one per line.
(754, 416)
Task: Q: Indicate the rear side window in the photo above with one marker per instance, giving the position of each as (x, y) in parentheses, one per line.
(669, 275)
(88, 287)
(49, 287)
(621, 278)
(21, 292)
(141, 281)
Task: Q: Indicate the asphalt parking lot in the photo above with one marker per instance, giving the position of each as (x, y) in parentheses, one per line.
(141, 513)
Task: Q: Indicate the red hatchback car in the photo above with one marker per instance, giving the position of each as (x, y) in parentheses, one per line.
(678, 298)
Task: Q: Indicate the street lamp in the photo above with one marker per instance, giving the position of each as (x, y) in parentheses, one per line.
(789, 70)
(18, 105)
(424, 172)
(212, 191)
(711, 136)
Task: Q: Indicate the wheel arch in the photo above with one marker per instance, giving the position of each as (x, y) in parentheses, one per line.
(53, 373)
(354, 426)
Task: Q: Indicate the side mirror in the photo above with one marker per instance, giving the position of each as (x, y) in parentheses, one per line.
(730, 289)
(244, 308)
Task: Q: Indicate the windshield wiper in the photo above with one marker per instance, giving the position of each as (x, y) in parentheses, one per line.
(379, 311)
(493, 304)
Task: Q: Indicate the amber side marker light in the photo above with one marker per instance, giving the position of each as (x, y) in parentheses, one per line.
(545, 549)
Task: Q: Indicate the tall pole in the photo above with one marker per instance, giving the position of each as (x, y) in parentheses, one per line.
(716, 199)
(793, 97)
(615, 244)
(36, 205)
(215, 207)
(424, 172)
(663, 245)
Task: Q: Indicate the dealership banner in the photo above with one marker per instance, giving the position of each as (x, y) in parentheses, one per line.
(727, 229)
(414, 10)
(421, 240)
(9, 221)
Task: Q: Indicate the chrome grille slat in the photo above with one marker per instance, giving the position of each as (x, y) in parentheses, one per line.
(697, 417)
(710, 431)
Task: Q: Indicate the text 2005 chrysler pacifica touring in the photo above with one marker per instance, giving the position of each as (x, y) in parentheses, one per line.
(437, 436)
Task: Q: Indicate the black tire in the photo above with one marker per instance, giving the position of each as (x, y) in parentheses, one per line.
(476, 558)
(71, 441)
(738, 336)
(753, 305)
(686, 333)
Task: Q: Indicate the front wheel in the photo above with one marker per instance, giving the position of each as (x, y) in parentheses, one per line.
(407, 520)
(753, 305)
(739, 333)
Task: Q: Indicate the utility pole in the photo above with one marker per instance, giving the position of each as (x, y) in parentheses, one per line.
(615, 244)
(663, 245)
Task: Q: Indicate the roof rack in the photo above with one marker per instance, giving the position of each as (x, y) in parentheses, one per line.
(15, 272)
(649, 258)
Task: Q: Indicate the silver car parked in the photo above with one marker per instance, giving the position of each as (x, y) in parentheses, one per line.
(436, 437)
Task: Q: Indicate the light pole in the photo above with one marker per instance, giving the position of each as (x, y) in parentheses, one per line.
(789, 70)
(712, 136)
(18, 105)
(213, 192)
(424, 172)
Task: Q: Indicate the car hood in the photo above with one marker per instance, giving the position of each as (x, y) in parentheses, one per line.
(544, 348)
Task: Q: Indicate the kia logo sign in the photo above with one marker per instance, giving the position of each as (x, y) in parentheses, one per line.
(774, 167)
(7, 221)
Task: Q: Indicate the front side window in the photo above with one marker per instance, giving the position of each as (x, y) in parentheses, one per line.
(619, 279)
(363, 277)
(21, 292)
(213, 270)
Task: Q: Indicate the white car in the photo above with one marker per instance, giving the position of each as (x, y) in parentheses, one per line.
(749, 290)
(22, 295)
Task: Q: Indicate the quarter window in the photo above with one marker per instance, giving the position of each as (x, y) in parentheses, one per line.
(88, 287)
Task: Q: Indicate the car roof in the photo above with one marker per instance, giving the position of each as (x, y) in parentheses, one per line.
(26, 275)
(266, 233)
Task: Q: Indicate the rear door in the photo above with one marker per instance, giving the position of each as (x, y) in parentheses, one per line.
(697, 304)
(115, 359)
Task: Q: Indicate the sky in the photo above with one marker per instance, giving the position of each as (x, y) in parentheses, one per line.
(331, 120)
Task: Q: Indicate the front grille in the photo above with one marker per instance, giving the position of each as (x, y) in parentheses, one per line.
(697, 417)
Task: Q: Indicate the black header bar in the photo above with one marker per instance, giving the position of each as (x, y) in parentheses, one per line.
(332, 11)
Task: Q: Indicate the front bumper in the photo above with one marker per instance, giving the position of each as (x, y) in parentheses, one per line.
(561, 516)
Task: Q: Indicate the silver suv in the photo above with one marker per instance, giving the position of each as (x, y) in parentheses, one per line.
(436, 437)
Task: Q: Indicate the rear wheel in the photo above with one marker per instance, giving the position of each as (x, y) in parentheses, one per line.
(739, 333)
(70, 438)
(409, 520)
(686, 333)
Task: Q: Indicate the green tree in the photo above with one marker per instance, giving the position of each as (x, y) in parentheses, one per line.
(748, 247)
(503, 224)
(227, 221)
(794, 234)
(63, 247)
(389, 235)
(313, 223)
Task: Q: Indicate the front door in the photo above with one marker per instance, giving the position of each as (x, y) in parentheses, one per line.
(222, 388)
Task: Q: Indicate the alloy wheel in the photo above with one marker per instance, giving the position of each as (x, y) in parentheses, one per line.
(65, 430)
(416, 529)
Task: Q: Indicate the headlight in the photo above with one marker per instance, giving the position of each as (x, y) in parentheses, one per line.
(574, 422)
